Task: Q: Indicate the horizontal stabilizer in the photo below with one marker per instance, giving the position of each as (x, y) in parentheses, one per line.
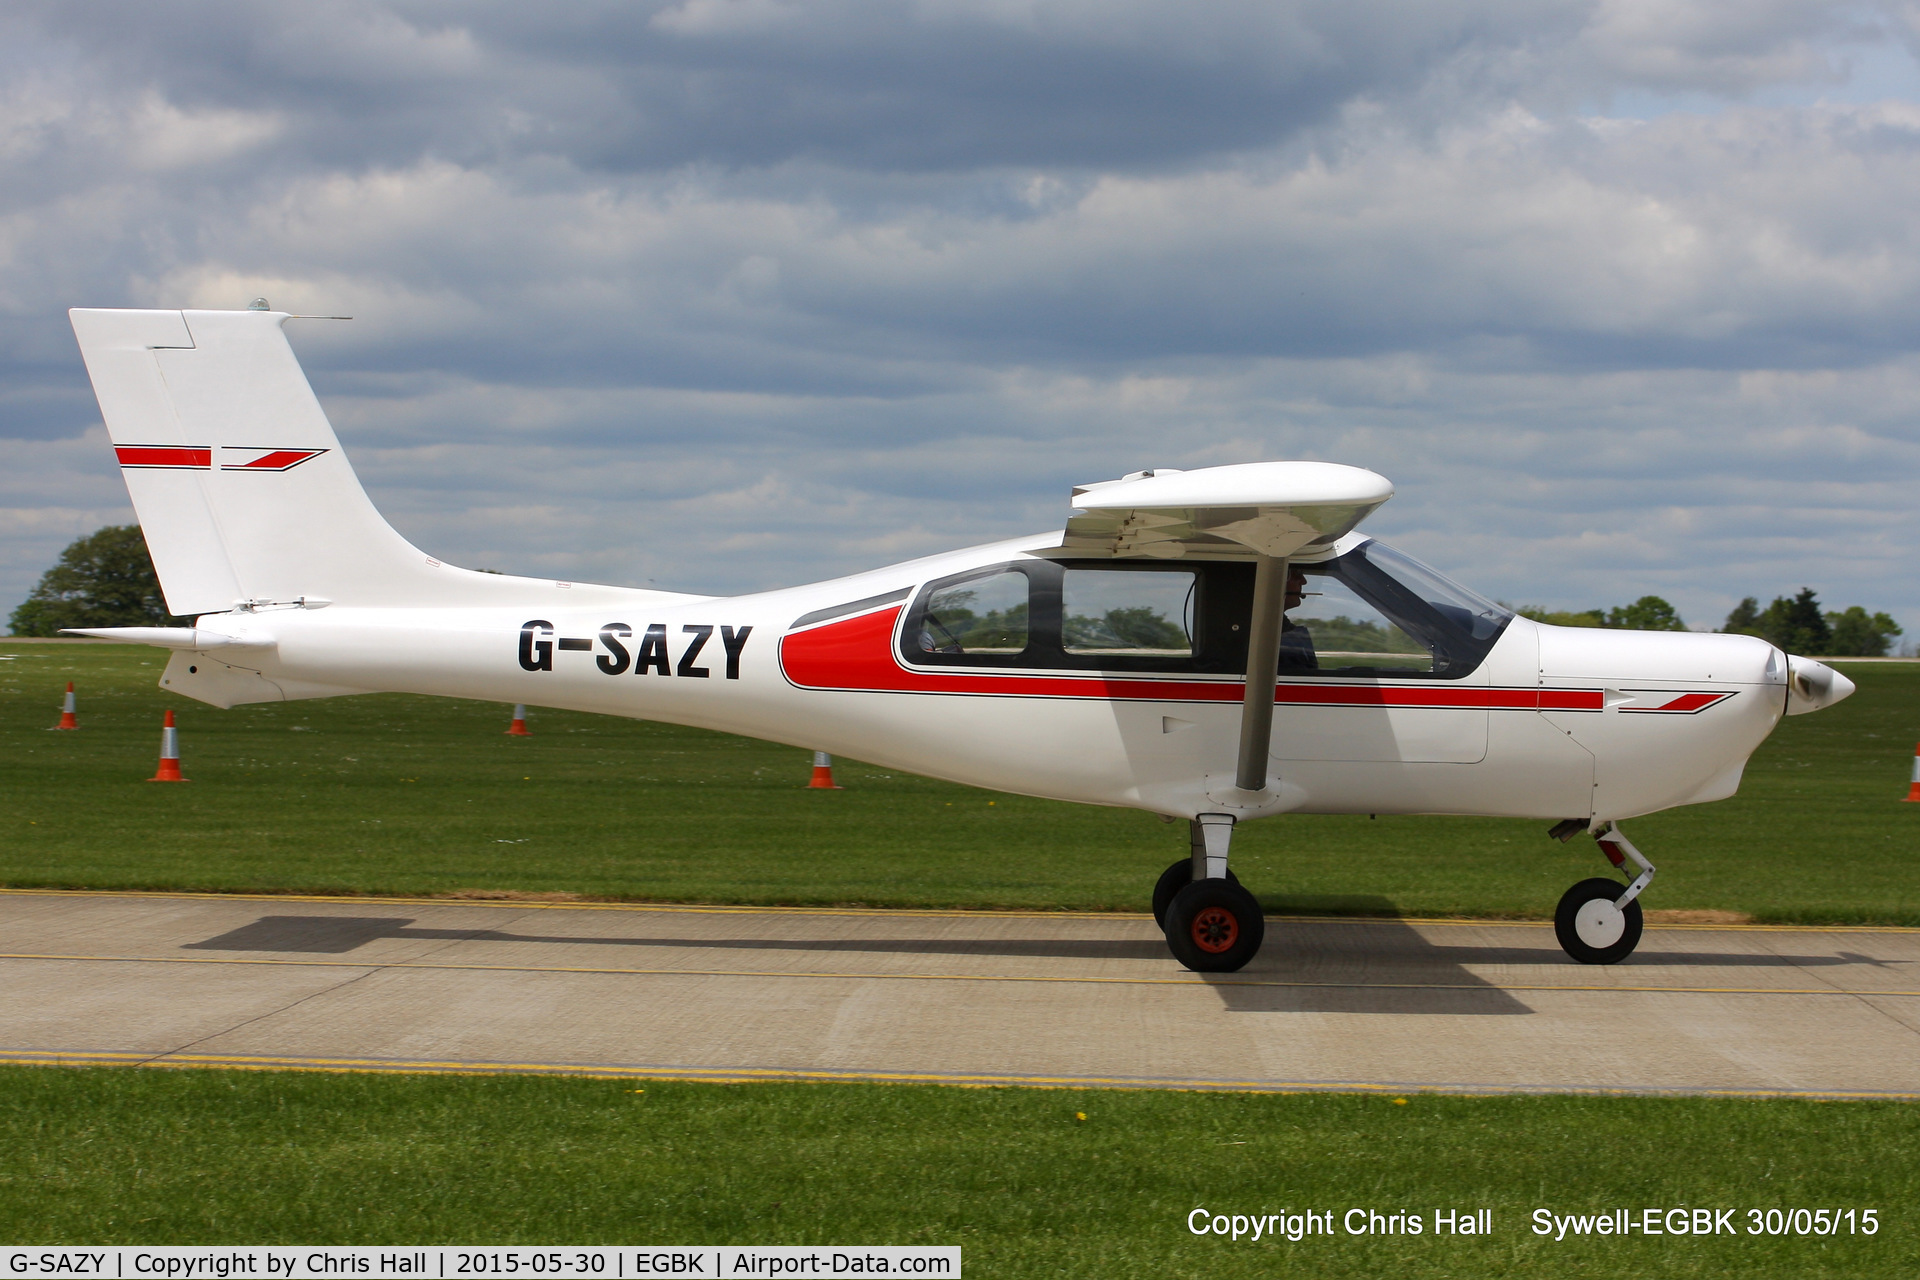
(1269, 508)
(172, 637)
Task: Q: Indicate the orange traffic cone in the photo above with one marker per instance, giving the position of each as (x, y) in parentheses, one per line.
(518, 728)
(66, 711)
(823, 774)
(1913, 792)
(169, 754)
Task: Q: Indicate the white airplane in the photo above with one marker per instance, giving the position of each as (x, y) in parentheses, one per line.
(1104, 664)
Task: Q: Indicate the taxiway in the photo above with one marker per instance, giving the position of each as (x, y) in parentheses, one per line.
(727, 993)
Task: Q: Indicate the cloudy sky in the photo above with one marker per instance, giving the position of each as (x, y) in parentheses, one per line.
(1623, 295)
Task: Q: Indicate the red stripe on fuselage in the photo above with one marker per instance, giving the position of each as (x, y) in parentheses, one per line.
(1570, 700)
(857, 655)
(154, 455)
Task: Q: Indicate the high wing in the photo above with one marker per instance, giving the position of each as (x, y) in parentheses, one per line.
(1273, 509)
(1269, 510)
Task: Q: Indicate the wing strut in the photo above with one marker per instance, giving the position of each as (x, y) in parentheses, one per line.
(1263, 664)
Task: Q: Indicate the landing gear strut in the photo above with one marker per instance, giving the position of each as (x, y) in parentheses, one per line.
(1212, 924)
(1597, 921)
(1195, 865)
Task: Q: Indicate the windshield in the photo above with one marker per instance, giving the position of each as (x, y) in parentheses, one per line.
(1472, 613)
(1378, 612)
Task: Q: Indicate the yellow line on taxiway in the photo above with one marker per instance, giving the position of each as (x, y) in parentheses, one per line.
(941, 913)
(829, 975)
(777, 1075)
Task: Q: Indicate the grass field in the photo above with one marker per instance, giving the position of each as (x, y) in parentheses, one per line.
(405, 795)
(421, 796)
(1013, 1176)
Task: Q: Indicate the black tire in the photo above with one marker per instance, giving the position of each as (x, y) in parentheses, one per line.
(1173, 880)
(1214, 926)
(1597, 937)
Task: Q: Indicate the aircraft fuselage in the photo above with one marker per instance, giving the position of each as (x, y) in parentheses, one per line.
(1552, 723)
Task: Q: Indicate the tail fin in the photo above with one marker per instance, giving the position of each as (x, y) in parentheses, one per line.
(240, 485)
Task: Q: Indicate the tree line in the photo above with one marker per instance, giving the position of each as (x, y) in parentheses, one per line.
(1795, 623)
(105, 579)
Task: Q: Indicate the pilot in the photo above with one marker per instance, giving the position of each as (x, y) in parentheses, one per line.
(1296, 642)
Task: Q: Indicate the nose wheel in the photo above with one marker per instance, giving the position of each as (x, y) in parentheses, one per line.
(1591, 925)
(1599, 921)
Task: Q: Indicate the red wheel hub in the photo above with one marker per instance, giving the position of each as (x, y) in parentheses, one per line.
(1215, 929)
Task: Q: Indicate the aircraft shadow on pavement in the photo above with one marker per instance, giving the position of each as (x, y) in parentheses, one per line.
(1357, 966)
(1291, 976)
(337, 935)
(1325, 966)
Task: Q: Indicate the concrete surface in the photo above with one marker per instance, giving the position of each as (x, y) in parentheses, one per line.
(743, 993)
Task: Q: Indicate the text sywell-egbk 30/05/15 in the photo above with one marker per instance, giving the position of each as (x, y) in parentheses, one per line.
(1709, 1222)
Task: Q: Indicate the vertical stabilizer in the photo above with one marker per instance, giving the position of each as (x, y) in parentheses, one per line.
(240, 485)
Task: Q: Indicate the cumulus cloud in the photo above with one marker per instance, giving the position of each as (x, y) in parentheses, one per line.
(1718, 46)
(719, 294)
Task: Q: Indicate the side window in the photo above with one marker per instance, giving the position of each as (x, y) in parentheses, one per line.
(1332, 631)
(984, 615)
(1128, 613)
(1369, 613)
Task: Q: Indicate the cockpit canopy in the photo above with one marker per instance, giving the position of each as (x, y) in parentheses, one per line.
(1370, 611)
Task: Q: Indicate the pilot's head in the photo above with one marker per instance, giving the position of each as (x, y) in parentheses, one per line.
(1296, 587)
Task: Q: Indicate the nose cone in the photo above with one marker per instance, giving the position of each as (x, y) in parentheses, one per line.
(1813, 685)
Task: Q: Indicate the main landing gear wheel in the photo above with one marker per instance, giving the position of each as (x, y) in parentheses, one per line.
(1173, 880)
(1214, 926)
(1591, 929)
